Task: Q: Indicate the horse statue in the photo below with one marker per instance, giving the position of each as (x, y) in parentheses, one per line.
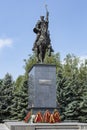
(42, 47)
(42, 43)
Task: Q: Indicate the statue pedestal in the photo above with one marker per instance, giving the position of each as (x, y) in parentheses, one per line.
(42, 87)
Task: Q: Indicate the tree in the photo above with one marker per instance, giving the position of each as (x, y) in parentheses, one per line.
(73, 97)
(29, 63)
(20, 101)
(61, 100)
(7, 96)
(1, 99)
(83, 81)
(23, 100)
(72, 89)
(70, 66)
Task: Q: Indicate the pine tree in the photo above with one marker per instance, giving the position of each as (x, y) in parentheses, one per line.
(20, 101)
(1, 99)
(61, 90)
(72, 90)
(73, 94)
(82, 108)
(7, 95)
(23, 100)
(83, 81)
(14, 110)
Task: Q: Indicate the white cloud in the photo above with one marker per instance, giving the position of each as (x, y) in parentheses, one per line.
(5, 42)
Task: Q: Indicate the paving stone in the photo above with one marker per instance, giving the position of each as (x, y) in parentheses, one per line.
(3, 127)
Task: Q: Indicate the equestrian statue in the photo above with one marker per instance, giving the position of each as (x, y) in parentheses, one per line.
(42, 44)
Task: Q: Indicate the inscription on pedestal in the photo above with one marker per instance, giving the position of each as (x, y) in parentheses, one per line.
(45, 82)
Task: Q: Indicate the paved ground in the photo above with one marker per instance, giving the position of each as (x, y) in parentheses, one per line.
(3, 127)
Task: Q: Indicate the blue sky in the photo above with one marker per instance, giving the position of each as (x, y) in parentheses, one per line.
(67, 25)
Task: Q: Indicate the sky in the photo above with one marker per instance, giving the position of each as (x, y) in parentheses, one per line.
(67, 26)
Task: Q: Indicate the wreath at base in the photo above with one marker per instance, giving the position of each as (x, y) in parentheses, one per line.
(47, 117)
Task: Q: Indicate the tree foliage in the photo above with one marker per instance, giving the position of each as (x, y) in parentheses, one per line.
(20, 101)
(71, 86)
(72, 89)
(6, 96)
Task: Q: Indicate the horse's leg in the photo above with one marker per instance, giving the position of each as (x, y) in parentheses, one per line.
(37, 54)
(41, 53)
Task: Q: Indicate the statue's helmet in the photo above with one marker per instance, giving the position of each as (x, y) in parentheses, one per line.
(42, 17)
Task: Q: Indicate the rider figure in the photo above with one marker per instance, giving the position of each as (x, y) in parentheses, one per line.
(42, 25)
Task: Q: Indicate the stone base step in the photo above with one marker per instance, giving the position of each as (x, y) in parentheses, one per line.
(46, 126)
(3, 127)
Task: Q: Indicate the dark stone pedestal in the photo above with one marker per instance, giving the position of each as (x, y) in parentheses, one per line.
(42, 87)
